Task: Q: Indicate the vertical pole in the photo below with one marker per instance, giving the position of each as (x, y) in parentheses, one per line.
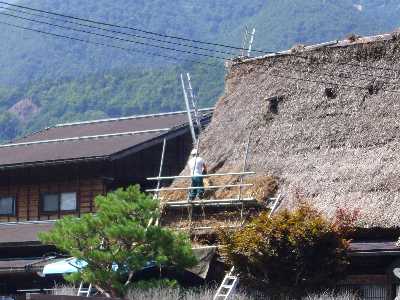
(59, 201)
(160, 174)
(28, 200)
(78, 191)
(190, 207)
(244, 43)
(251, 41)
(194, 103)
(243, 170)
(188, 111)
(9, 193)
(161, 167)
(91, 196)
(40, 201)
(16, 204)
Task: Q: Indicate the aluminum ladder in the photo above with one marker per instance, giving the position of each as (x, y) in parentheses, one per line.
(84, 291)
(191, 107)
(230, 281)
(227, 287)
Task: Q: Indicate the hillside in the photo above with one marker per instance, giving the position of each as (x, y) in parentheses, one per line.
(70, 80)
(108, 94)
(29, 56)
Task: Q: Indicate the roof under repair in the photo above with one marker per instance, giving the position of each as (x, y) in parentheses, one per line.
(323, 120)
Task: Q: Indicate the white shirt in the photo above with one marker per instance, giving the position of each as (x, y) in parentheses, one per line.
(196, 165)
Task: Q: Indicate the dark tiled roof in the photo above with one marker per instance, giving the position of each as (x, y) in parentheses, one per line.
(11, 234)
(108, 127)
(71, 149)
(374, 247)
(26, 265)
(17, 265)
(87, 146)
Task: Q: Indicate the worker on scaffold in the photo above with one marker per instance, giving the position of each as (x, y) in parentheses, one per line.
(197, 168)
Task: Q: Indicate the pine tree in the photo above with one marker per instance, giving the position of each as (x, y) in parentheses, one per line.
(119, 240)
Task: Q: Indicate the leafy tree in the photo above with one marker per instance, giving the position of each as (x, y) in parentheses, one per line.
(110, 94)
(10, 126)
(118, 241)
(292, 252)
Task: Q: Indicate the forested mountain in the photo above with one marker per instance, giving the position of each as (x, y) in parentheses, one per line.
(70, 80)
(109, 94)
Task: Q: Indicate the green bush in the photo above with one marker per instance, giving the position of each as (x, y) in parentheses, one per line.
(154, 284)
(10, 126)
(293, 252)
(119, 240)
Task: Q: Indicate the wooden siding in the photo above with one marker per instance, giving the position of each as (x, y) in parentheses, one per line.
(28, 198)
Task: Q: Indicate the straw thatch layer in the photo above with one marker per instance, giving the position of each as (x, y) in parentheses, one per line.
(325, 126)
(263, 188)
(206, 220)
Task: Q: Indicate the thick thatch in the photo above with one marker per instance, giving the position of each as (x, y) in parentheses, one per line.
(263, 187)
(218, 216)
(323, 124)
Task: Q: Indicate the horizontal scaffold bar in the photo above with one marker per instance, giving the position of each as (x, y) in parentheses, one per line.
(209, 227)
(212, 202)
(205, 187)
(205, 175)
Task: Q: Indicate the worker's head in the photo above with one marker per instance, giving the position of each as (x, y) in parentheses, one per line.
(194, 152)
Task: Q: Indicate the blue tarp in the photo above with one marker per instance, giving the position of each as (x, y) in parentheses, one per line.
(68, 265)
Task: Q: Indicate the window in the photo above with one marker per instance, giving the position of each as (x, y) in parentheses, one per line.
(7, 206)
(68, 201)
(58, 202)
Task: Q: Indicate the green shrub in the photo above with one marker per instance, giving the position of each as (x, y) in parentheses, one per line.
(154, 284)
(119, 240)
(293, 252)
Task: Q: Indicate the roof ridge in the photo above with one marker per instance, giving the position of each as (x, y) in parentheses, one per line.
(330, 44)
(88, 137)
(127, 118)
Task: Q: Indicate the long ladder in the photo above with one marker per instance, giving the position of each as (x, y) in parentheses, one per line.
(84, 291)
(195, 103)
(227, 286)
(247, 44)
(230, 281)
(191, 107)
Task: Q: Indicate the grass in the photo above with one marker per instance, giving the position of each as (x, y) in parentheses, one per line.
(330, 295)
(177, 294)
(206, 293)
(64, 290)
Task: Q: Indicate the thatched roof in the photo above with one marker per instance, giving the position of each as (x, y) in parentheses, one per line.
(323, 120)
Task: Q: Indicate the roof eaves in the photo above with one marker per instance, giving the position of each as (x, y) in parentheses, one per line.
(53, 162)
(79, 138)
(130, 117)
(173, 132)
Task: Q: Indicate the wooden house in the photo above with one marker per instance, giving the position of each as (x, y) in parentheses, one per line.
(60, 170)
(324, 121)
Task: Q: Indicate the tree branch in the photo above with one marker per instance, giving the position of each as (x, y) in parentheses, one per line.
(128, 281)
(102, 291)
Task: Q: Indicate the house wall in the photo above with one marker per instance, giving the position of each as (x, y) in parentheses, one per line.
(88, 179)
(369, 286)
(136, 168)
(28, 198)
